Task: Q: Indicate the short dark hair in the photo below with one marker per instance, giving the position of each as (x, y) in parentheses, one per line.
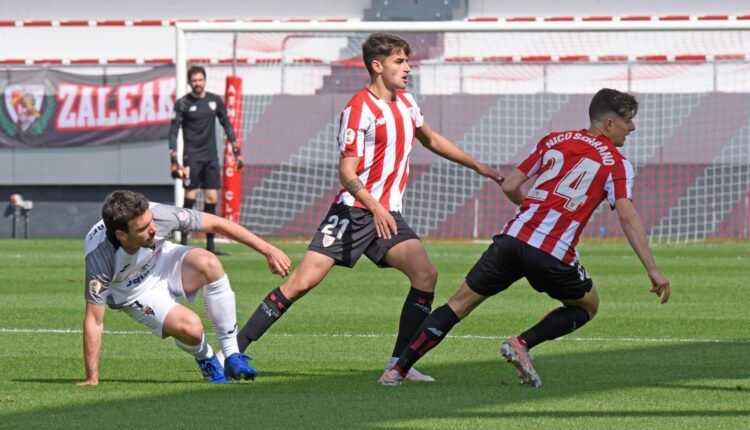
(378, 46)
(193, 70)
(122, 206)
(608, 100)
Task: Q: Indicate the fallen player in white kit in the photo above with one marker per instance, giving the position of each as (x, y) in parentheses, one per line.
(131, 266)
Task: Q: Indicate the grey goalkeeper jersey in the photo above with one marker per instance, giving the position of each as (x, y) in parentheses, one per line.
(115, 277)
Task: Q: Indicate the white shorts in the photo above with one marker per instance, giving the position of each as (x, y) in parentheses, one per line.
(151, 307)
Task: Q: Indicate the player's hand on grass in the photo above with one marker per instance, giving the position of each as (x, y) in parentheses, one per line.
(278, 262)
(385, 224)
(491, 173)
(659, 285)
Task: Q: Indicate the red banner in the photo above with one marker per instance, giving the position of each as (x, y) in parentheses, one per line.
(231, 190)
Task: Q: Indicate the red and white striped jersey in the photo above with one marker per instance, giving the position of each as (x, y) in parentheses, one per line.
(577, 172)
(381, 133)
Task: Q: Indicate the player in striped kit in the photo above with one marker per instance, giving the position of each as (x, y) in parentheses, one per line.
(576, 171)
(378, 127)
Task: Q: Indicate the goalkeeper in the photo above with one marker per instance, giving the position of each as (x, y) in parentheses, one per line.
(196, 114)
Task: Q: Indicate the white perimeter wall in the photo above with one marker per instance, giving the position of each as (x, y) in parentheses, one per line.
(182, 9)
(606, 7)
(140, 42)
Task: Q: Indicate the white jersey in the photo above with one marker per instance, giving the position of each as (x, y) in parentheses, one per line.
(381, 134)
(115, 277)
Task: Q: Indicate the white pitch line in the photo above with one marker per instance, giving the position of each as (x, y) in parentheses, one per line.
(377, 336)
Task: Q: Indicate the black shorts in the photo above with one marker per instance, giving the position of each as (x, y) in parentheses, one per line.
(204, 174)
(348, 232)
(508, 259)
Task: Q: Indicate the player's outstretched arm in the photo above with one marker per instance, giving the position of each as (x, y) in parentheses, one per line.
(93, 327)
(443, 147)
(278, 262)
(636, 234)
(512, 186)
(385, 224)
(175, 169)
(174, 127)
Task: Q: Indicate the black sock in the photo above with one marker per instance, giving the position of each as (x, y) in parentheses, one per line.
(433, 329)
(211, 209)
(189, 203)
(417, 307)
(269, 311)
(559, 322)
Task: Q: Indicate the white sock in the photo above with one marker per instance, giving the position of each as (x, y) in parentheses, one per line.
(222, 313)
(201, 351)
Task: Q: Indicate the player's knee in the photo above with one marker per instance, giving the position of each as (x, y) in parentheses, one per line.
(210, 266)
(592, 310)
(592, 306)
(297, 287)
(427, 278)
(191, 328)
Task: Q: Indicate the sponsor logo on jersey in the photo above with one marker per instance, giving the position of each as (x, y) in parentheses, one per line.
(212, 105)
(380, 121)
(95, 230)
(328, 241)
(138, 279)
(349, 136)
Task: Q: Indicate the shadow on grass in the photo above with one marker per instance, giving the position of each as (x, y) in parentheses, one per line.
(466, 391)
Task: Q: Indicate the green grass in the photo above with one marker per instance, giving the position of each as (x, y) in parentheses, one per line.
(639, 364)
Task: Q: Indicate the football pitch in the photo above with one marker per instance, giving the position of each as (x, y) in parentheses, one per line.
(638, 364)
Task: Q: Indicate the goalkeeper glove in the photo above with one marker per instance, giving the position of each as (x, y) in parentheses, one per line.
(237, 158)
(175, 169)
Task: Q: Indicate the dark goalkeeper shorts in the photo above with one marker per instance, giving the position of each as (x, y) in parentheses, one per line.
(204, 174)
(348, 232)
(508, 259)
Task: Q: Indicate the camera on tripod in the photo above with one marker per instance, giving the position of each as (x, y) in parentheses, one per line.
(19, 206)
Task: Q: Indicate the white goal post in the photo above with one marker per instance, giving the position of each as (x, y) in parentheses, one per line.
(493, 87)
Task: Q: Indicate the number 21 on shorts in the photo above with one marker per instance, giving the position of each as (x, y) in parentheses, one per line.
(334, 222)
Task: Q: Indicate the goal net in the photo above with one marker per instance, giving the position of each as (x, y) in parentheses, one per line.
(494, 90)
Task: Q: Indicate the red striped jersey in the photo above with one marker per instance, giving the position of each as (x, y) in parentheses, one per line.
(380, 133)
(577, 172)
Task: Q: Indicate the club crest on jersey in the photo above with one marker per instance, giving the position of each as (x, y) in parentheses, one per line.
(349, 136)
(414, 113)
(193, 108)
(328, 241)
(212, 105)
